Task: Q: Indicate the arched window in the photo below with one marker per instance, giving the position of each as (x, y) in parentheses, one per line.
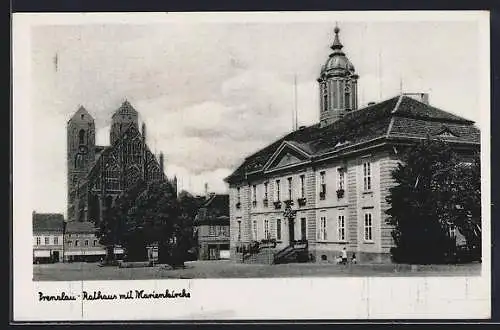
(325, 97)
(133, 174)
(81, 137)
(112, 178)
(347, 97)
(79, 161)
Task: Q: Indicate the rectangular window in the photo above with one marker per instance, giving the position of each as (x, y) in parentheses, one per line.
(86, 242)
(367, 178)
(76, 242)
(254, 195)
(56, 240)
(38, 241)
(303, 229)
(266, 230)
(239, 231)
(452, 231)
(47, 240)
(70, 243)
(289, 189)
(322, 229)
(368, 227)
(278, 229)
(265, 190)
(322, 181)
(302, 186)
(277, 197)
(238, 195)
(211, 230)
(341, 179)
(341, 227)
(254, 230)
(95, 242)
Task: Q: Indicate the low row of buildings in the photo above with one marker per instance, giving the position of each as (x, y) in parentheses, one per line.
(55, 240)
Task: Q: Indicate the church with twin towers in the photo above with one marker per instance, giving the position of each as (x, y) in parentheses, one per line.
(96, 175)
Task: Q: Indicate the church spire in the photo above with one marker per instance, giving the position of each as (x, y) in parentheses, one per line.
(336, 45)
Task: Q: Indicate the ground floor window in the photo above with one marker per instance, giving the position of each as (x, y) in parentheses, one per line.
(368, 227)
(278, 229)
(239, 231)
(341, 227)
(254, 230)
(266, 229)
(322, 228)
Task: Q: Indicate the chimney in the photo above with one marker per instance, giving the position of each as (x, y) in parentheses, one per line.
(206, 191)
(421, 97)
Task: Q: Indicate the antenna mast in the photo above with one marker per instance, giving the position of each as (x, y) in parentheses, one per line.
(380, 74)
(295, 121)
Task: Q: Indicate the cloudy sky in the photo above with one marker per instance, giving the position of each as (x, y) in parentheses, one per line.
(211, 93)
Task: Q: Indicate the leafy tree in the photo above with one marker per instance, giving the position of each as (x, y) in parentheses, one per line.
(433, 191)
(153, 219)
(112, 228)
(148, 214)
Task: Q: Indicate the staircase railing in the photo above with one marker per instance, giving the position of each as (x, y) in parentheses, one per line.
(295, 247)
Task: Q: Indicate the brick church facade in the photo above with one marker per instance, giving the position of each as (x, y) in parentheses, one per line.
(98, 174)
(334, 176)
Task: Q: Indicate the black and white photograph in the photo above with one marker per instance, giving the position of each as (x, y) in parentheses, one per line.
(185, 165)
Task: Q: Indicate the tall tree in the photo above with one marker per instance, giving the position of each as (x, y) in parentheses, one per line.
(431, 195)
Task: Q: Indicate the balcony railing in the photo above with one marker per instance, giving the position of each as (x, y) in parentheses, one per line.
(340, 193)
(265, 202)
(322, 195)
(238, 205)
(301, 201)
(277, 205)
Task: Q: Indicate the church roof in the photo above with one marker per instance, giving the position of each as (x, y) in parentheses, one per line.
(125, 109)
(81, 116)
(400, 117)
(48, 222)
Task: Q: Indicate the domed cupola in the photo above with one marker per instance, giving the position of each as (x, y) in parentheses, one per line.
(338, 84)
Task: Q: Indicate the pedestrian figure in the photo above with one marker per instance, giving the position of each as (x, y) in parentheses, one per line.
(353, 259)
(344, 256)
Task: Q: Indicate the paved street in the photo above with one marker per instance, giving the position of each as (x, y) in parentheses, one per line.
(227, 269)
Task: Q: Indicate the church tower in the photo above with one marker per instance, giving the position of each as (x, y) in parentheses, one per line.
(80, 153)
(121, 119)
(337, 85)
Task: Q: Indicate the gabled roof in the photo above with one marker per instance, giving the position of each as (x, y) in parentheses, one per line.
(43, 222)
(125, 109)
(80, 227)
(214, 211)
(81, 116)
(399, 117)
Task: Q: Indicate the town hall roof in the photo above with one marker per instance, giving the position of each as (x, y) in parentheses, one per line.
(400, 117)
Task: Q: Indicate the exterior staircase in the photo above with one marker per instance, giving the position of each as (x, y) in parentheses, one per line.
(295, 252)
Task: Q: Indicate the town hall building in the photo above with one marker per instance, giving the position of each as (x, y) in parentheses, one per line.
(324, 187)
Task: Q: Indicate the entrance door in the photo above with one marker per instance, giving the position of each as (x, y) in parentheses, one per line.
(291, 230)
(303, 229)
(55, 256)
(212, 251)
